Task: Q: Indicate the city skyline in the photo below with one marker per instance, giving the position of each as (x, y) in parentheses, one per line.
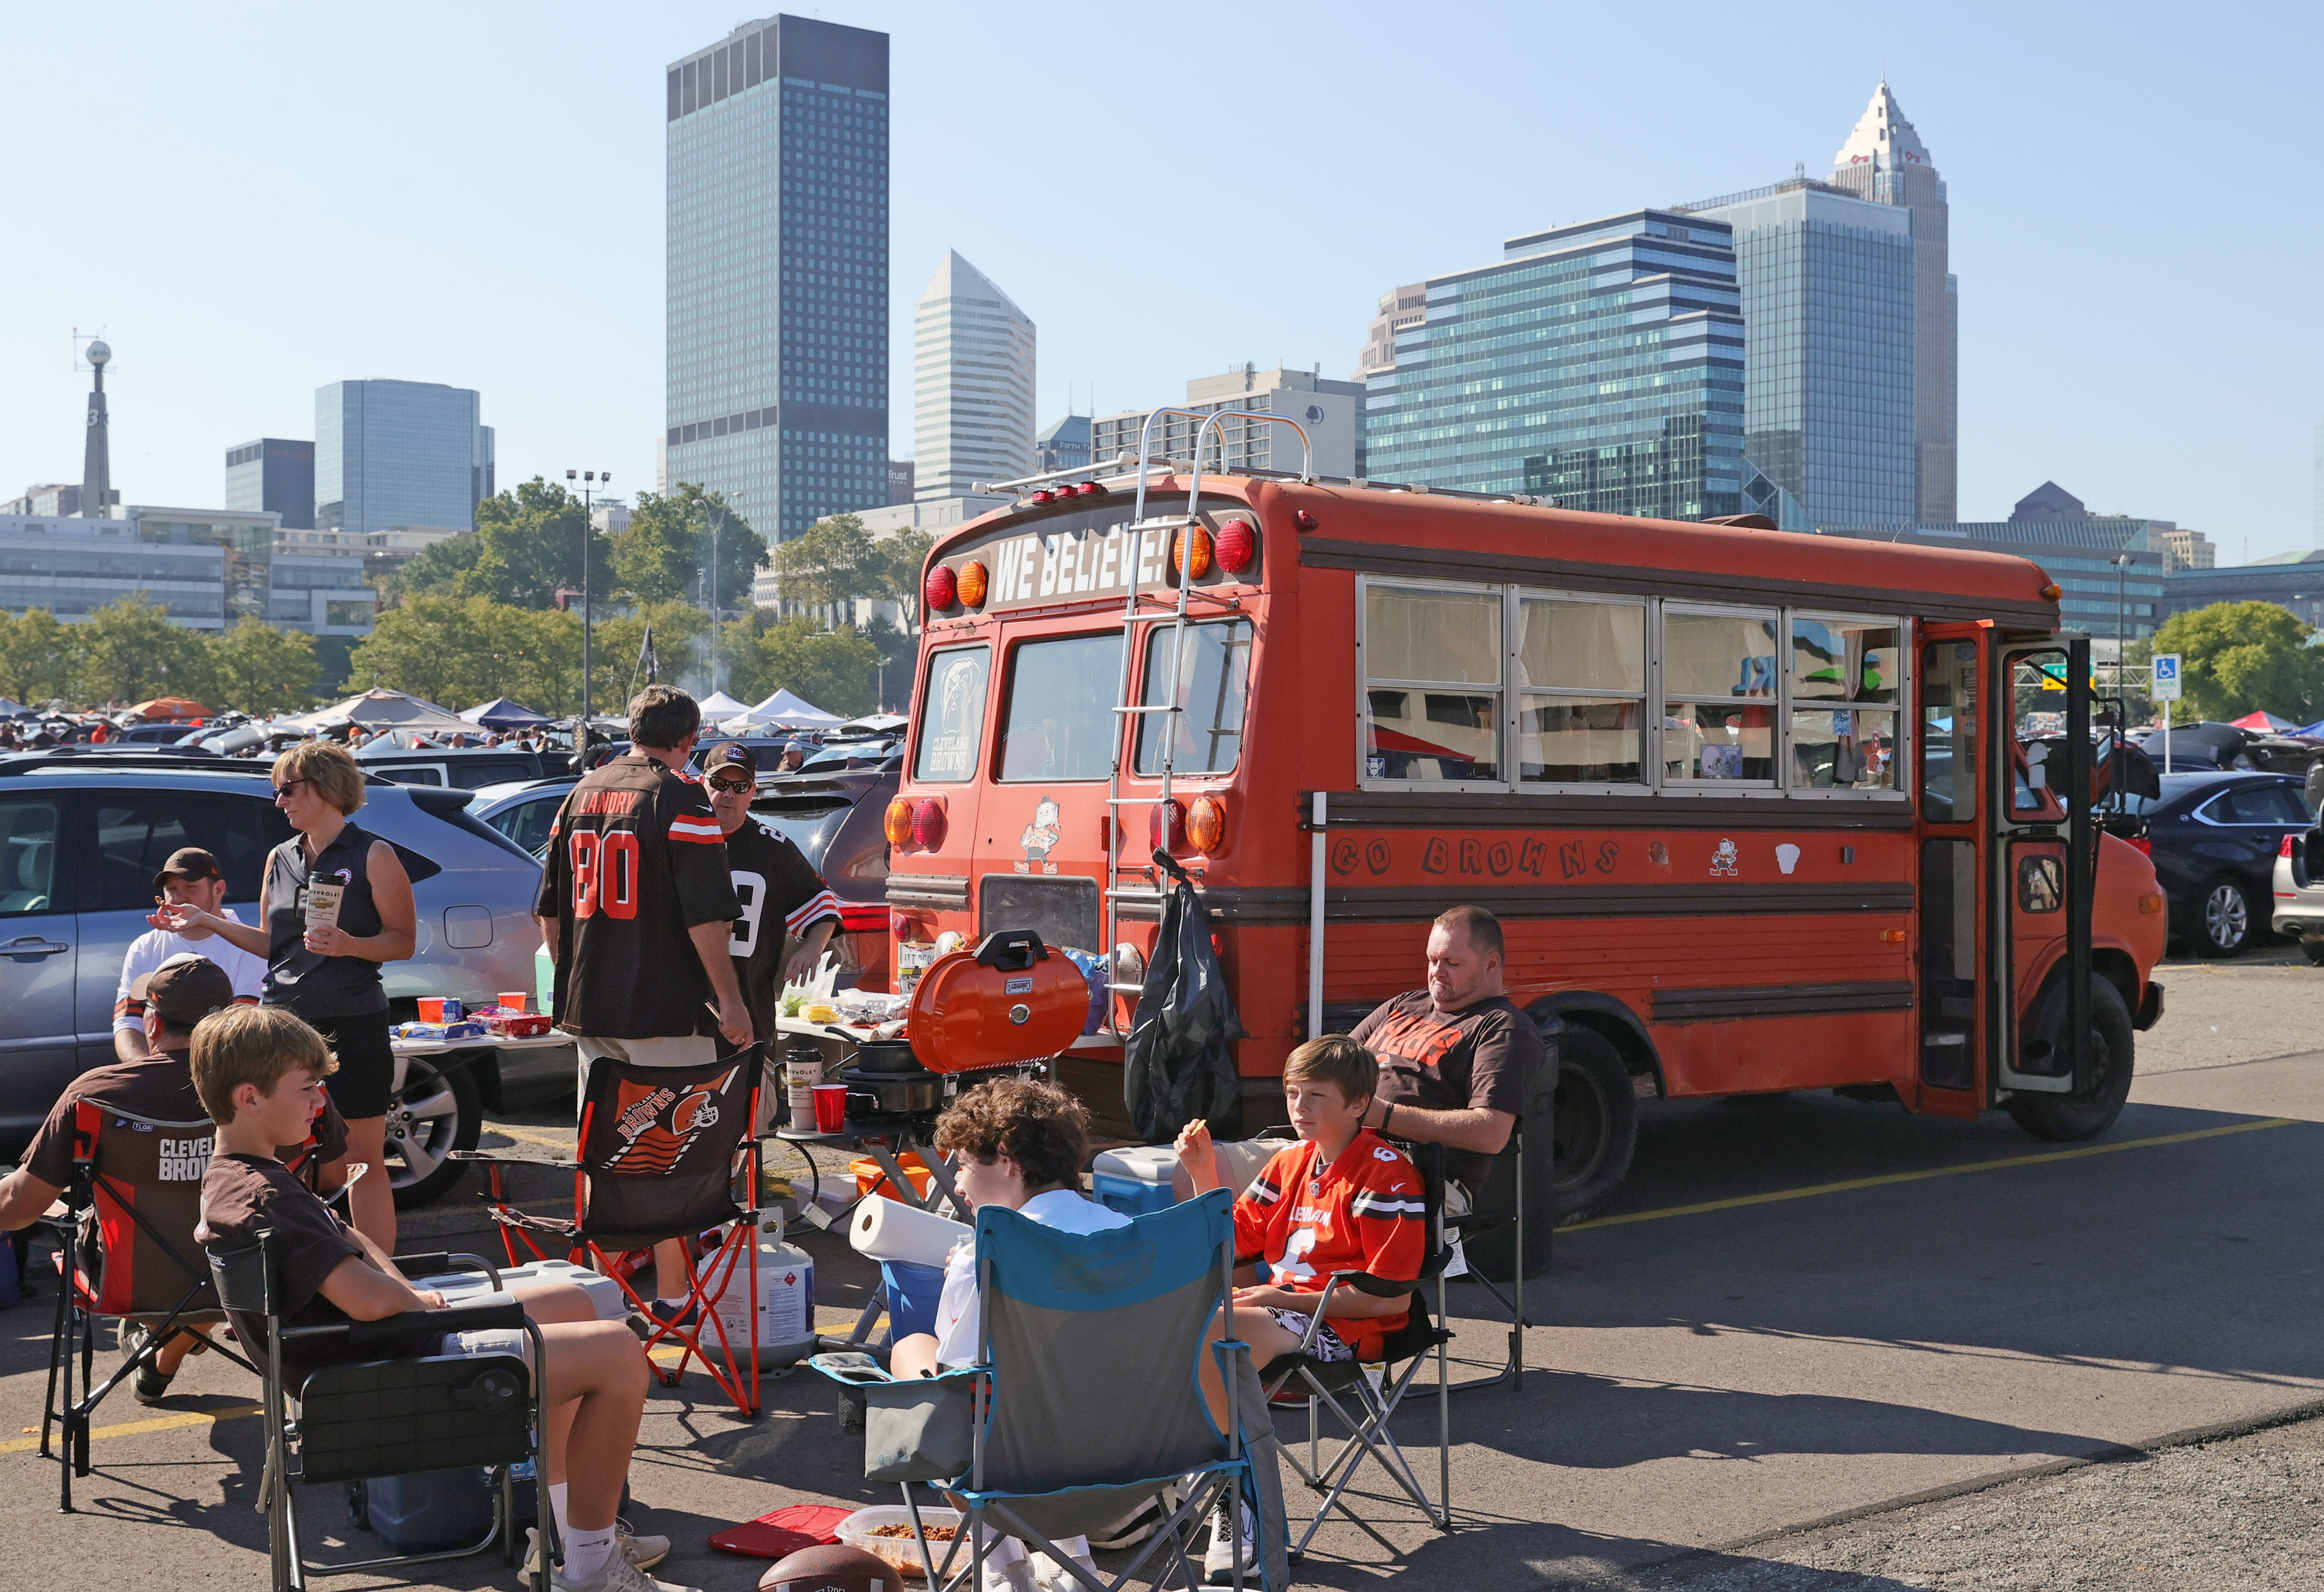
(438, 280)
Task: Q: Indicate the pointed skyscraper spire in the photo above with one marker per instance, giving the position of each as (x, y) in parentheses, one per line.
(1884, 138)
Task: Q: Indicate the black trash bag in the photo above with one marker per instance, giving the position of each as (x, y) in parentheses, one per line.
(1181, 1062)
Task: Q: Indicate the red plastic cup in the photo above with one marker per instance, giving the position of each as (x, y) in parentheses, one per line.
(830, 1107)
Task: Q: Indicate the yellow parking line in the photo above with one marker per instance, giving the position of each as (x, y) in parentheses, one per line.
(1896, 1177)
(129, 1428)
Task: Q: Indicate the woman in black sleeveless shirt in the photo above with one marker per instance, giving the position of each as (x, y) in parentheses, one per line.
(329, 976)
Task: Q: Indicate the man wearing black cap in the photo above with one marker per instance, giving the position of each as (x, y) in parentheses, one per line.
(191, 878)
(788, 912)
(158, 1085)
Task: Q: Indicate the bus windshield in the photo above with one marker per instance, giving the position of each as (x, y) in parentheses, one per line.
(1213, 678)
(1059, 723)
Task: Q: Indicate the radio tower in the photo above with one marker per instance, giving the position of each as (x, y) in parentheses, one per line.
(96, 463)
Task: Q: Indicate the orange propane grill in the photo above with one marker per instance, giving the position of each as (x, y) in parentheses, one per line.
(1011, 999)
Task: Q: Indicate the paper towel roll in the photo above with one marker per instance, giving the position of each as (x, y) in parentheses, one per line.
(889, 1229)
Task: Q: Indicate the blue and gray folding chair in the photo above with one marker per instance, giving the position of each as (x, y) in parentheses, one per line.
(1085, 1401)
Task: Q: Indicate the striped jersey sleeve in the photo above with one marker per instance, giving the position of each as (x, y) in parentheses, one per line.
(1259, 1213)
(1387, 1214)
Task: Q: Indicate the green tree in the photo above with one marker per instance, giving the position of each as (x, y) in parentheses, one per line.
(2241, 656)
(259, 669)
(830, 562)
(665, 553)
(905, 555)
(438, 568)
(834, 669)
(128, 651)
(528, 545)
(679, 632)
(35, 656)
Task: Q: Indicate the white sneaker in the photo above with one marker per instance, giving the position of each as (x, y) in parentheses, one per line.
(1049, 1576)
(1016, 1576)
(645, 1552)
(1218, 1558)
(618, 1576)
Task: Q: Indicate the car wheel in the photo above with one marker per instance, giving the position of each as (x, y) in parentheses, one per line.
(439, 1111)
(2223, 926)
(2114, 1045)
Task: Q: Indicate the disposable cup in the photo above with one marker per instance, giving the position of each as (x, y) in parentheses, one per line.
(511, 1000)
(830, 1107)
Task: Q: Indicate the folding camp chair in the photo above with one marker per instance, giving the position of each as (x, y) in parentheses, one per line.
(1468, 1226)
(1086, 1400)
(411, 1410)
(128, 1252)
(666, 1153)
(1328, 1382)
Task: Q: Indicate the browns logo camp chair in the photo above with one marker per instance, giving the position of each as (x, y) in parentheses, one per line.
(666, 1153)
(127, 1253)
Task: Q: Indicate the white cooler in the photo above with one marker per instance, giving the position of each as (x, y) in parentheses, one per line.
(604, 1293)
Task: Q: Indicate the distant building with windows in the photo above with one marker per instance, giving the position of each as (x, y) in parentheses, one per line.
(399, 453)
(1400, 309)
(1063, 445)
(276, 476)
(900, 480)
(776, 374)
(2186, 549)
(1598, 365)
(1332, 413)
(208, 569)
(972, 383)
(50, 499)
(2289, 580)
(934, 516)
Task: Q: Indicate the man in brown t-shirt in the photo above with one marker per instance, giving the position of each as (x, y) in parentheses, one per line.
(1457, 1060)
(157, 1087)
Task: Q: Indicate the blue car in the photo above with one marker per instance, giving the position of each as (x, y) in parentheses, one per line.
(2214, 838)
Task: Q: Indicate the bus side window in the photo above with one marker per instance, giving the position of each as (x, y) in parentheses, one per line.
(1433, 680)
(1948, 732)
(952, 715)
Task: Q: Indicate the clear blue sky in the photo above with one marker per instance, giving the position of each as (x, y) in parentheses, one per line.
(255, 200)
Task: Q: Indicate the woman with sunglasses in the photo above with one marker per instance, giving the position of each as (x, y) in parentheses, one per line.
(329, 973)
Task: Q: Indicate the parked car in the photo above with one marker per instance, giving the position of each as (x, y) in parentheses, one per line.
(836, 815)
(2215, 839)
(81, 836)
(523, 809)
(459, 768)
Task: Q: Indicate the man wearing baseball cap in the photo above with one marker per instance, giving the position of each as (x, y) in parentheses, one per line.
(157, 1084)
(191, 878)
(788, 912)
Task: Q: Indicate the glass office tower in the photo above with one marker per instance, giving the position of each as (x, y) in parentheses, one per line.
(776, 390)
(1600, 364)
(1827, 283)
(274, 474)
(391, 453)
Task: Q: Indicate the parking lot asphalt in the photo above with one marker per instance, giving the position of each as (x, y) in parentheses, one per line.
(1799, 1310)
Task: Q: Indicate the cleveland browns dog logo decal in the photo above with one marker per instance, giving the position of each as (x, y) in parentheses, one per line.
(656, 1124)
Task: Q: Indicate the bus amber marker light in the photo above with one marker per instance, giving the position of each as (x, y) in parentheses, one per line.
(942, 586)
(972, 584)
(2052, 592)
(1236, 546)
(929, 825)
(897, 822)
(1191, 548)
(1165, 825)
(1206, 824)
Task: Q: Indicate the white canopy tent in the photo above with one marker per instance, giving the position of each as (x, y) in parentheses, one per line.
(718, 707)
(385, 710)
(782, 708)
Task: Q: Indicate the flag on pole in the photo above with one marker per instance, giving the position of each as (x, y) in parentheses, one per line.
(648, 664)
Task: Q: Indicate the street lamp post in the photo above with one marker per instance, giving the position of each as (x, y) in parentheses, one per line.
(589, 479)
(2121, 573)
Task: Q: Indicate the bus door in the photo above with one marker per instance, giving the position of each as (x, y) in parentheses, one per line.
(1951, 825)
(2042, 899)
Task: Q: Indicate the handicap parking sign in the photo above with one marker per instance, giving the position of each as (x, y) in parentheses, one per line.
(2165, 684)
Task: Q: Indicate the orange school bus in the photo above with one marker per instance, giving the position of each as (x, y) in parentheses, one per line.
(1751, 806)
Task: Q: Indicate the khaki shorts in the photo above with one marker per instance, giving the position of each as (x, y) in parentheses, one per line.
(684, 1050)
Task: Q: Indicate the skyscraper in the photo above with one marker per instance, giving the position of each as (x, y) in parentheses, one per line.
(276, 473)
(1600, 364)
(1884, 160)
(776, 388)
(972, 383)
(391, 453)
(1827, 283)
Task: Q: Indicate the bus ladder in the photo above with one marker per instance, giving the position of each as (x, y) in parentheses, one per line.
(1175, 616)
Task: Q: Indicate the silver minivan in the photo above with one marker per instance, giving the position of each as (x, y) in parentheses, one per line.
(80, 840)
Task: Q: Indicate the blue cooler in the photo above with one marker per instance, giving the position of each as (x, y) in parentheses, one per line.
(431, 1510)
(913, 1292)
(1135, 1181)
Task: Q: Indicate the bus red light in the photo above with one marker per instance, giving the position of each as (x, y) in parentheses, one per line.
(1237, 546)
(942, 586)
(1045, 496)
(1165, 825)
(897, 820)
(929, 825)
(1089, 489)
(1206, 824)
(972, 583)
(1190, 550)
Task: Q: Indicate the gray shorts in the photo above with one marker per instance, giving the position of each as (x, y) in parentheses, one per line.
(683, 1050)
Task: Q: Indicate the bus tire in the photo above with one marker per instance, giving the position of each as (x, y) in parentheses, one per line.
(2061, 1117)
(1596, 1120)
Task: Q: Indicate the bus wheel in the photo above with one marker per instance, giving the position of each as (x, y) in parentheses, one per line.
(1597, 1121)
(2113, 1042)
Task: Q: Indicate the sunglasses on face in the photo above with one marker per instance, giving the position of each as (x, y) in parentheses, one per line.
(736, 786)
(289, 787)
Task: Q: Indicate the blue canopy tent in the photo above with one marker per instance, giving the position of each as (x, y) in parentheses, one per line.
(501, 713)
